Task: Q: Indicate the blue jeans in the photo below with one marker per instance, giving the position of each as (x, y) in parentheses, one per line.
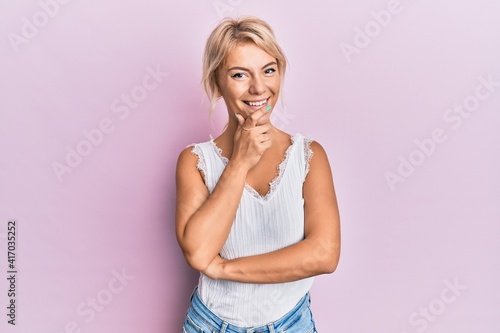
(199, 319)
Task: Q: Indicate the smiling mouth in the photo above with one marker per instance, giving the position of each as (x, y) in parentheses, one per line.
(257, 103)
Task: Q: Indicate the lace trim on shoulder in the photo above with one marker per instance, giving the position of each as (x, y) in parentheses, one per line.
(218, 151)
(308, 153)
(201, 165)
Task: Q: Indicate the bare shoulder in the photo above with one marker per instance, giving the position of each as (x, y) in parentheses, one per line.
(319, 175)
(319, 157)
(190, 184)
(187, 156)
(316, 147)
(186, 162)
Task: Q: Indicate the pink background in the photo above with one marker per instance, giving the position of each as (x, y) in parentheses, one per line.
(403, 246)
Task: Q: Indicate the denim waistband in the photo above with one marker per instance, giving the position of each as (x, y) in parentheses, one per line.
(200, 310)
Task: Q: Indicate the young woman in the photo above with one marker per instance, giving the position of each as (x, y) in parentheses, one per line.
(256, 208)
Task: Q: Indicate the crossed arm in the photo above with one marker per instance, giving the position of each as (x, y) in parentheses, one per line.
(203, 222)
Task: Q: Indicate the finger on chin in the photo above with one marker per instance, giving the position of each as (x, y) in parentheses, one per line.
(263, 120)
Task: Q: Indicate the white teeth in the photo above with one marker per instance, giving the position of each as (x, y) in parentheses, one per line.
(257, 103)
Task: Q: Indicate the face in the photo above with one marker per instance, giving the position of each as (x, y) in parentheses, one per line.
(249, 79)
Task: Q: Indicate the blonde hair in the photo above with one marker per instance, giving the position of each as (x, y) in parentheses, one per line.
(227, 35)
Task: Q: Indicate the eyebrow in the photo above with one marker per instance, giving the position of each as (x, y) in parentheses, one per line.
(246, 69)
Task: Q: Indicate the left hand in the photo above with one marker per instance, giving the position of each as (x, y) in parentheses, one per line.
(215, 269)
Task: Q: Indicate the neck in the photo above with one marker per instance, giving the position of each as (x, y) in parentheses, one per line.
(232, 126)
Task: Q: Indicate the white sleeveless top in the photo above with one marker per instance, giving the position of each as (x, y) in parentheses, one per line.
(262, 224)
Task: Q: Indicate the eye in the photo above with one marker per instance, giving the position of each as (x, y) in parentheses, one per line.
(269, 71)
(238, 75)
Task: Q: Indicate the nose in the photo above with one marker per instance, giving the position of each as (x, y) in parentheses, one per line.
(257, 86)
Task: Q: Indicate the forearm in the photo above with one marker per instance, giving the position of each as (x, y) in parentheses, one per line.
(298, 261)
(208, 228)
